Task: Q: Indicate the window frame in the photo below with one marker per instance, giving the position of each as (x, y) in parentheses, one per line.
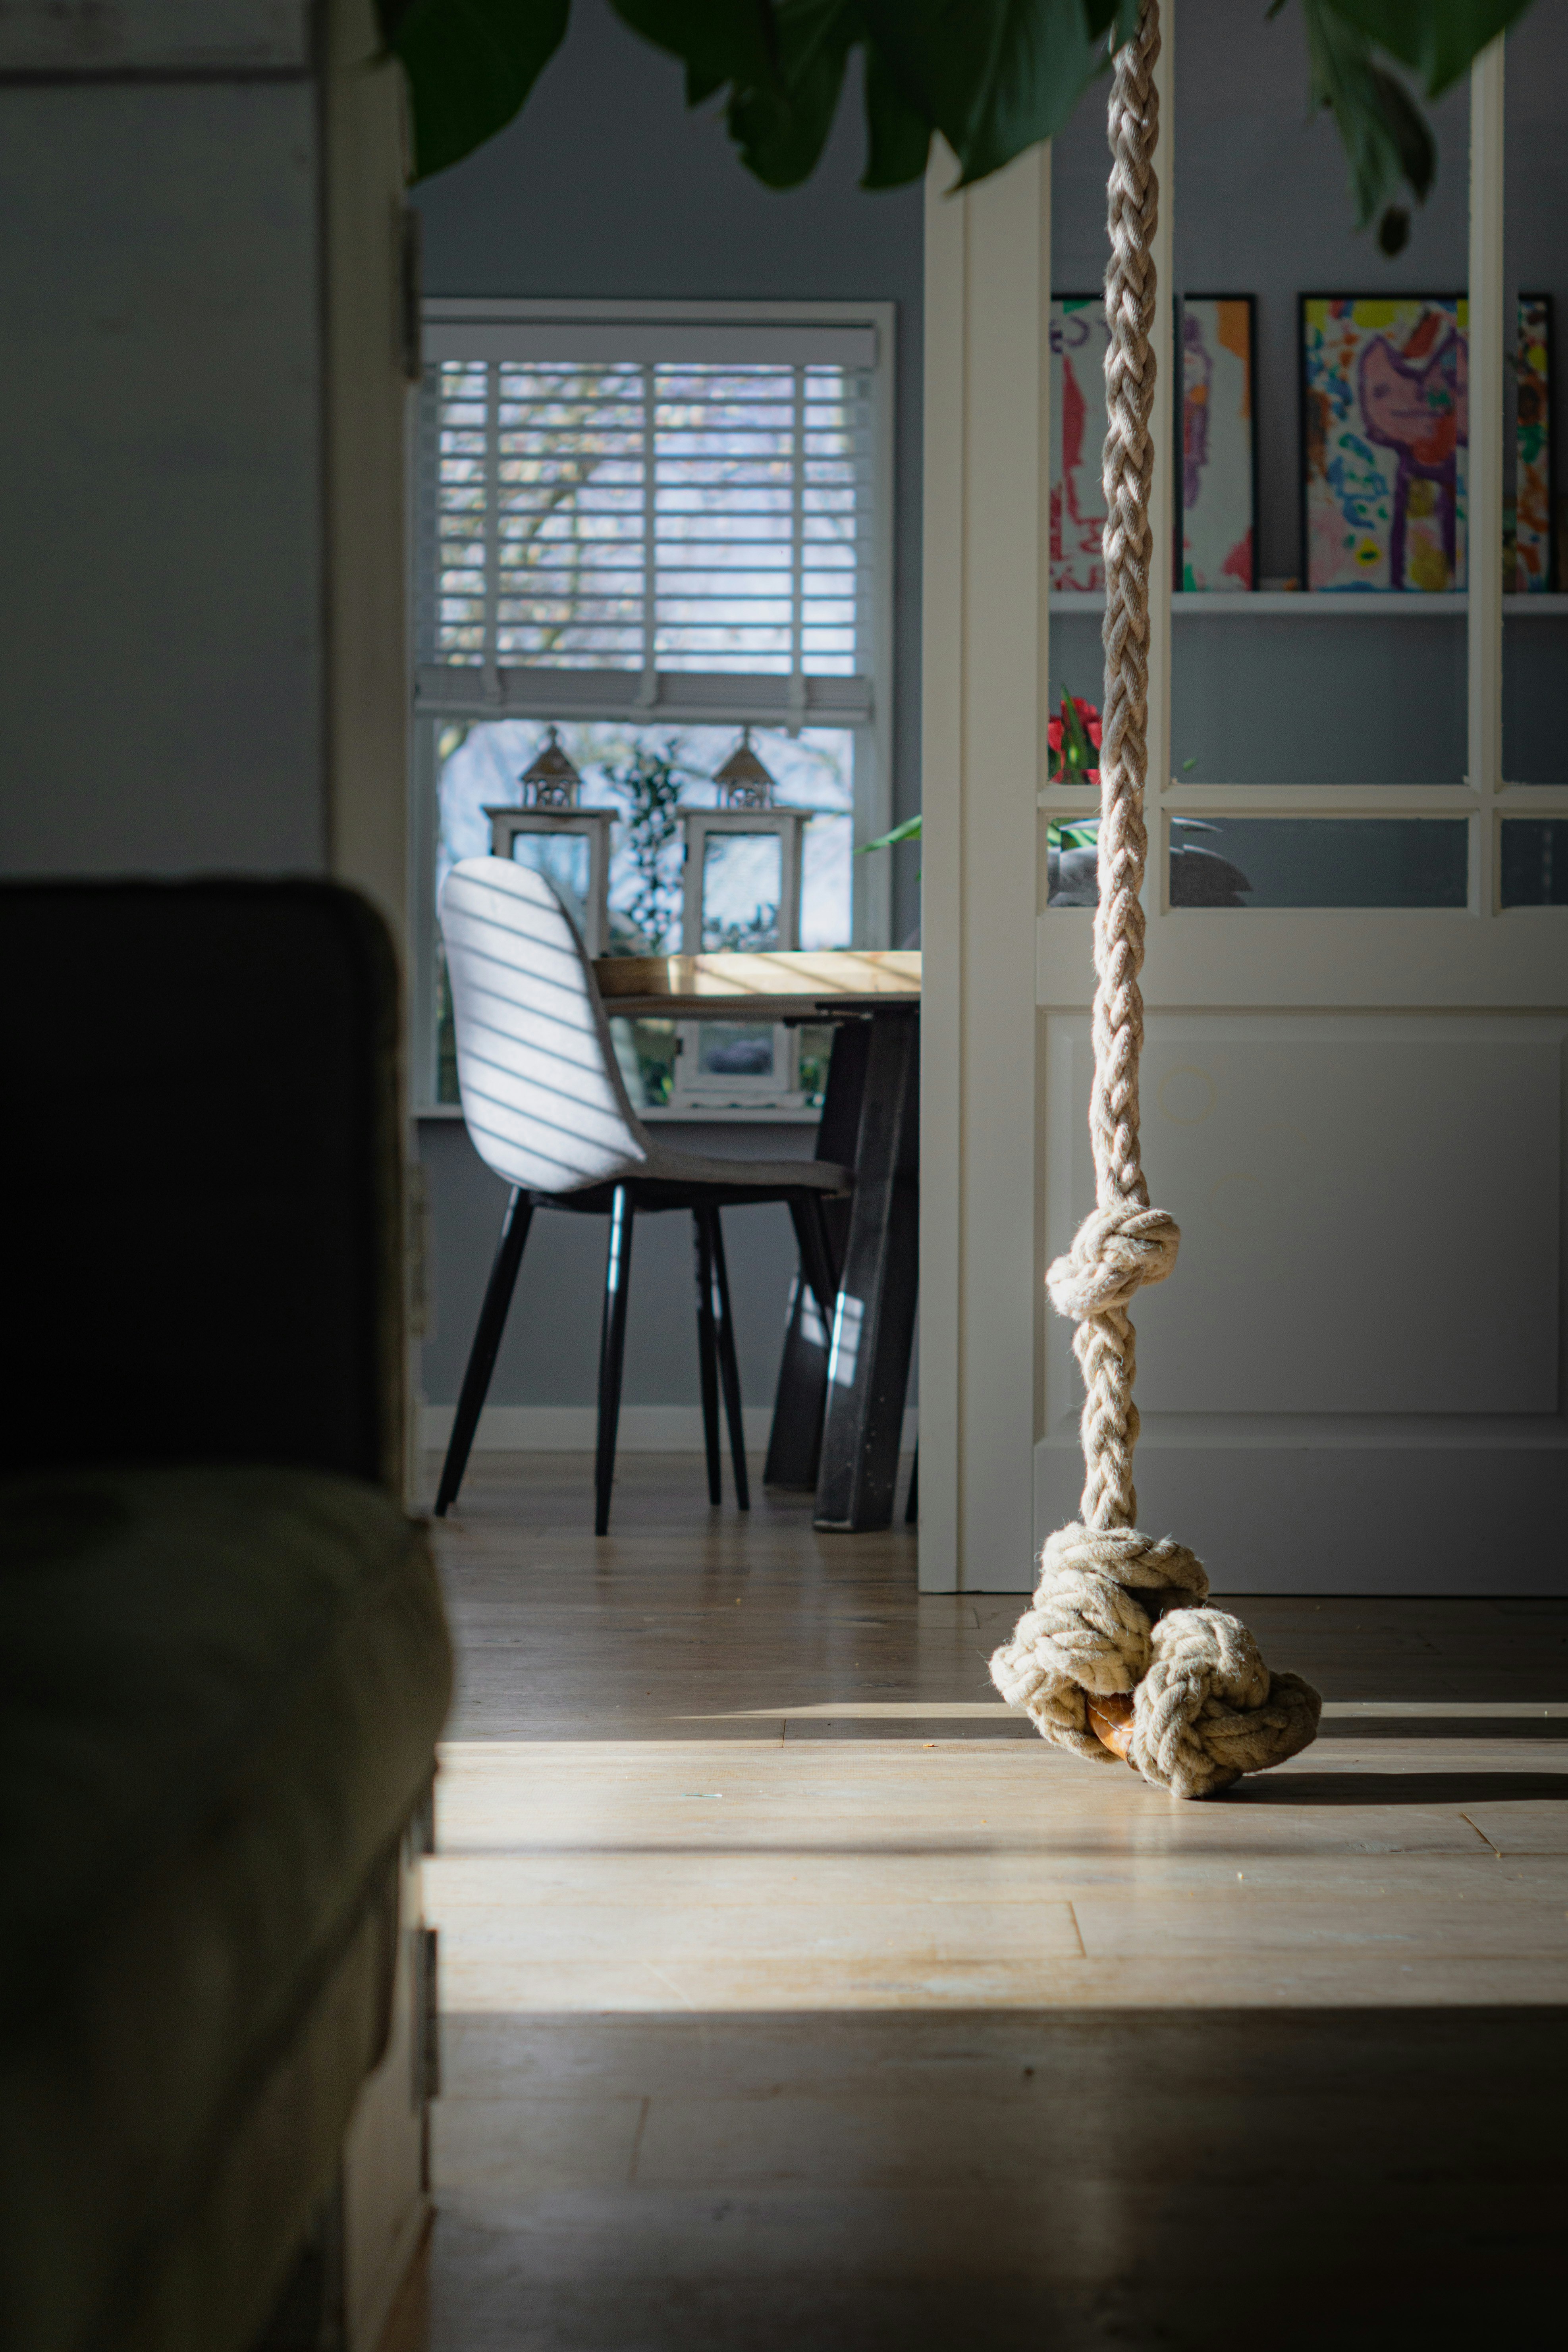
(446, 319)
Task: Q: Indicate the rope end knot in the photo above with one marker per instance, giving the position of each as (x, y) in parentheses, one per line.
(1115, 1253)
(1121, 1615)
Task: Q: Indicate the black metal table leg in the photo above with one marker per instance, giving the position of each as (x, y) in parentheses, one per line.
(795, 1440)
(707, 1350)
(612, 1351)
(487, 1345)
(874, 1318)
(729, 1366)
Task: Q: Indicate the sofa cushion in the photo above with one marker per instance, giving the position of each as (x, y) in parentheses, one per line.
(219, 1695)
(205, 1162)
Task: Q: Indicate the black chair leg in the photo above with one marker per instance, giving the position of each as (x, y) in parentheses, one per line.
(912, 1503)
(612, 1353)
(730, 1371)
(706, 1350)
(487, 1346)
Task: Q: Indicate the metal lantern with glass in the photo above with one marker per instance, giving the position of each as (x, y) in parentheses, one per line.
(741, 895)
(568, 843)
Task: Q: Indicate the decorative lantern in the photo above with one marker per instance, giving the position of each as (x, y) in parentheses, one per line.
(743, 863)
(551, 782)
(566, 843)
(741, 895)
(742, 779)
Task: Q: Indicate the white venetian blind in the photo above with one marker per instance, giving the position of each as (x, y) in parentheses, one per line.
(685, 537)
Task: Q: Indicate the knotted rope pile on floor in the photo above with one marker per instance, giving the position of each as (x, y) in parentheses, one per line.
(1113, 1616)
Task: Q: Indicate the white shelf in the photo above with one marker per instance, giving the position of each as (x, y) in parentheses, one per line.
(1323, 604)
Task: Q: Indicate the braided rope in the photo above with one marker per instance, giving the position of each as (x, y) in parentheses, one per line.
(1105, 1343)
(1205, 1708)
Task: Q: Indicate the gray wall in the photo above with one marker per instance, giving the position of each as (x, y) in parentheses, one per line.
(160, 409)
(607, 187)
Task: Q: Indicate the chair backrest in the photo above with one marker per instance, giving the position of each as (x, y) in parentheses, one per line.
(542, 1097)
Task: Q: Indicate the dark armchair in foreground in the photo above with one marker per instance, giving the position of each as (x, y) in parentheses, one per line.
(223, 1663)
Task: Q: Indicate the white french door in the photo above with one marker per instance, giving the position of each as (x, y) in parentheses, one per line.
(1353, 1382)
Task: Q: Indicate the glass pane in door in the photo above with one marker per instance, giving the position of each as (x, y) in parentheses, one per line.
(1320, 861)
(1534, 861)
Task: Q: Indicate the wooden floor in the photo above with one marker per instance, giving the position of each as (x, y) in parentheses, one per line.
(797, 1994)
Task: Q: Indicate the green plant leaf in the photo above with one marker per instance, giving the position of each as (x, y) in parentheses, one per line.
(718, 41)
(1385, 137)
(908, 831)
(781, 126)
(1437, 39)
(470, 64)
(994, 77)
(898, 135)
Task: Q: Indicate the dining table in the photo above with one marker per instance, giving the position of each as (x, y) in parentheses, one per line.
(838, 1411)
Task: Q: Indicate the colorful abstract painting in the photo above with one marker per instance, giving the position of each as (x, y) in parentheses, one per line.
(1385, 412)
(1216, 478)
(1527, 551)
(1078, 441)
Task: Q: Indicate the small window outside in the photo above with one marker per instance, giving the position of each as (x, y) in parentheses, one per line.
(677, 533)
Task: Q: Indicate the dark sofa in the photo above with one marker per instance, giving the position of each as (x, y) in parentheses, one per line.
(223, 1662)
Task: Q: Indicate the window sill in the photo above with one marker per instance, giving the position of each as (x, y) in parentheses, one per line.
(736, 1115)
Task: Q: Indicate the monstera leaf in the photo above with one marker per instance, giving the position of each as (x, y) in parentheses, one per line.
(1386, 135)
(1437, 39)
(469, 64)
(993, 77)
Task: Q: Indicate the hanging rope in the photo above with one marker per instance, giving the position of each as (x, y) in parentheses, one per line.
(1112, 1659)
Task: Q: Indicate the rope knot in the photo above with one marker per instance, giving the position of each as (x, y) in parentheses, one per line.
(1205, 1708)
(1115, 1252)
(1087, 1629)
(1208, 1709)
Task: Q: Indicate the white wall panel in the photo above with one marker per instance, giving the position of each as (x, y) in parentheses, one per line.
(1369, 1211)
(1352, 1380)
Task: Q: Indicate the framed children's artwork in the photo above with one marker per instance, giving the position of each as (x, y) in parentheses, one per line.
(1078, 338)
(1527, 518)
(1217, 478)
(1384, 421)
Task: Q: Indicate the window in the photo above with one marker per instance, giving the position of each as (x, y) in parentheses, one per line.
(648, 528)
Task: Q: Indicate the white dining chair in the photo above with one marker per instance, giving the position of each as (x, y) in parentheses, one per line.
(547, 1109)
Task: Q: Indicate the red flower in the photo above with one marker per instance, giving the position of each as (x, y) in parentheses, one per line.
(1088, 718)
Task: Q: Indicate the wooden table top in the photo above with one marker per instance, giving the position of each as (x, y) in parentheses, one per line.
(757, 987)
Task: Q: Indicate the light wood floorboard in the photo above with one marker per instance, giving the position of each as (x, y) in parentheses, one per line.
(795, 1993)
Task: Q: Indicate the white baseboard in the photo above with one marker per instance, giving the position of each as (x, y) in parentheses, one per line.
(571, 1428)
